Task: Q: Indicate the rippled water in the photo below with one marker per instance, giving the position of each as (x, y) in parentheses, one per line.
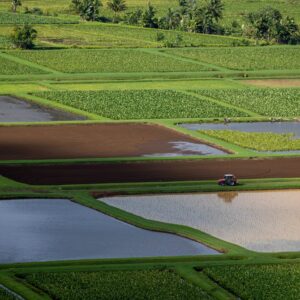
(267, 221)
(45, 230)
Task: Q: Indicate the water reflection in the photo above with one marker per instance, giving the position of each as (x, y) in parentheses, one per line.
(227, 197)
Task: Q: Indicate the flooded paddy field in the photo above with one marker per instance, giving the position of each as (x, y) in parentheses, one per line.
(96, 141)
(47, 230)
(266, 221)
(273, 127)
(16, 110)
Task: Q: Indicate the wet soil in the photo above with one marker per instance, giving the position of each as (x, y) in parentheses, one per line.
(92, 141)
(153, 171)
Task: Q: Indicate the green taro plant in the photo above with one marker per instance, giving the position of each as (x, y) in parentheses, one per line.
(150, 284)
(261, 141)
(263, 282)
(278, 102)
(140, 104)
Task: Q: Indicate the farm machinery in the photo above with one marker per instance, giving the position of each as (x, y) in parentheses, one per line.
(229, 179)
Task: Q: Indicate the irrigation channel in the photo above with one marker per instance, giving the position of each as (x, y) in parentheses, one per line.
(13, 109)
(56, 229)
(266, 221)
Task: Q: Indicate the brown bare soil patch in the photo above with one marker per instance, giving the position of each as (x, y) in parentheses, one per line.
(86, 141)
(153, 171)
(274, 83)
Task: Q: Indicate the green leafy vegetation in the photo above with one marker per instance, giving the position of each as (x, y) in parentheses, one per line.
(246, 58)
(283, 102)
(18, 18)
(4, 295)
(263, 282)
(9, 67)
(140, 104)
(261, 141)
(108, 61)
(23, 37)
(152, 284)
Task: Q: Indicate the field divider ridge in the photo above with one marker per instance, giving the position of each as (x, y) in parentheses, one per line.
(27, 63)
(201, 280)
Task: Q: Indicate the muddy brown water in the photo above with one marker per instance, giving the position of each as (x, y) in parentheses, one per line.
(17, 110)
(48, 230)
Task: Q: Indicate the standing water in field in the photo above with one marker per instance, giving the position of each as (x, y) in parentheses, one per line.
(266, 221)
(47, 230)
(16, 110)
(182, 148)
(274, 127)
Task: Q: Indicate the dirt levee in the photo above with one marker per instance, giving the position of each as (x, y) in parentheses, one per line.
(87, 141)
(153, 171)
(274, 82)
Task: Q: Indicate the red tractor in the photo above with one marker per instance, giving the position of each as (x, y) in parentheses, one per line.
(229, 179)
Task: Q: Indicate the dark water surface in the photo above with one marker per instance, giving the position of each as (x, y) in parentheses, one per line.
(16, 110)
(274, 127)
(47, 230)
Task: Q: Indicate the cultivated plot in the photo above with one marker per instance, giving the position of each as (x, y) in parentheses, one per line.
(142, 104)
(246, 58)
(107, 61)
(97, 141)
(270, 102)
(9, 67)
(119, 284)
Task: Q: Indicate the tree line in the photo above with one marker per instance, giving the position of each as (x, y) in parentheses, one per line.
(198, 16)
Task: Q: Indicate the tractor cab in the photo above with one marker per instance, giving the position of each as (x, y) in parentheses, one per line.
(229, 179)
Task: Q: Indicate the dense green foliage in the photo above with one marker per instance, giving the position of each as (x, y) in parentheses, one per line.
(9, 67)
(152, 284)
(263, 282)
(18, 18)
(269, 24)
(108, 61)
(23, 37)
(261, 141)
(246, 58)
(5, 295)
(140, 104)
(267, 102)
(114, 36)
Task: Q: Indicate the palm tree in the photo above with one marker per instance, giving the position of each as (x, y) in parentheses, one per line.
(117, 6)
(215, 8)
(15, 4)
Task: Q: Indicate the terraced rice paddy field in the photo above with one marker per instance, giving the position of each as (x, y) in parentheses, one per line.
(111, 145)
